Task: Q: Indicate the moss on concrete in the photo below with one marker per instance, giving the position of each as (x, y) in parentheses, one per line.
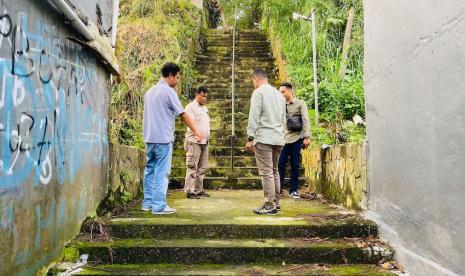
(174, 269)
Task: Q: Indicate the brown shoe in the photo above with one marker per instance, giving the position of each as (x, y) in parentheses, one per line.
(204, 194)
(192, 196)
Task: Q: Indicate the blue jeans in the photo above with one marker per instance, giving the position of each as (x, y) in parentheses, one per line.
(290, 151)
(157, 171)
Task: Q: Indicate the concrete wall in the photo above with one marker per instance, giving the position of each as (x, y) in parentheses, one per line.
(53, 135)
(338, 173)
(415, 101)
(127, 166)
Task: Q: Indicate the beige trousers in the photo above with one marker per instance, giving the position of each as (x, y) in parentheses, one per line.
(196, 166)
(267, 161)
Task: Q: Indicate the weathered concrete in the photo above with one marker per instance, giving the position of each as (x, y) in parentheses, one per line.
(414, 68)
(126, 175)
(339, 173)
(53, 135)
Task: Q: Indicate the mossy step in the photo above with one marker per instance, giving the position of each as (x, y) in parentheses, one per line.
(229, 59)
(234, 207)
(179, 269)
(233, 251)
(222, 171)
(239, 55)
(221, 150)
(224, 72)
(220, 161)
(216, 133)
(236, 183)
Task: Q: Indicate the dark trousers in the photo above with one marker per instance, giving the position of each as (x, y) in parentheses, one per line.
(290, 151)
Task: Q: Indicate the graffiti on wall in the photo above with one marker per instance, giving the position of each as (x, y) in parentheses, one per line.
(48, 119)
(53, 133)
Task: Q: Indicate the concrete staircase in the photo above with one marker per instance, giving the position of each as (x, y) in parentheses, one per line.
(214, 71)
(221, 236)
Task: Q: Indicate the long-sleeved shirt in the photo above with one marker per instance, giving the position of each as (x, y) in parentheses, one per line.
(297, 106)
(199, 114)
(267, 116)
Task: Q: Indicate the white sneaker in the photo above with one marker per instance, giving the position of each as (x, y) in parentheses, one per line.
(294, 195)
(145, 209)
(166, 211)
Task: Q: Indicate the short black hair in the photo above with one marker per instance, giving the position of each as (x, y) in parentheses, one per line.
(201, 89)
(170, 69)
(286, 84)
(259, 73)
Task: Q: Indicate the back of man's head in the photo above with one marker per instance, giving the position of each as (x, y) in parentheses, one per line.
(170, 69)
(260, 74)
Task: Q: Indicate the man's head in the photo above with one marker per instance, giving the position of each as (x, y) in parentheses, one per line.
(286, 89)
(259, 77)
(171, 72)
(201, 95)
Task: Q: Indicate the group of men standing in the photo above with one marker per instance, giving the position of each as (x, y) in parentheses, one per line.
(278, 127)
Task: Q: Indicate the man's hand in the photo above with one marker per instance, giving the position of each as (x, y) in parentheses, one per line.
(199, 136)
(306, 143)
(249, 146)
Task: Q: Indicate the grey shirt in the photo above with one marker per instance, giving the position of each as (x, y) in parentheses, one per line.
(267, 116)
(161, 106)
(297, 106)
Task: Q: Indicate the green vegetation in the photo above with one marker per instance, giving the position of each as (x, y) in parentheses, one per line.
(150, 33)
(340, 98)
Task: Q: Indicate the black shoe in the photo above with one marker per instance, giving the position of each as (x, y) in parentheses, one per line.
(265, 210)
(278, 206)
(192, 196)
(204, 194)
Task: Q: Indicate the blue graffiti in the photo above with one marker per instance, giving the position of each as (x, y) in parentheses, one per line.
(49, 124)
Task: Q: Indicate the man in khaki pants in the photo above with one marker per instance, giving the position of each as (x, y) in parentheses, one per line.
(197, 150)
(265, 132)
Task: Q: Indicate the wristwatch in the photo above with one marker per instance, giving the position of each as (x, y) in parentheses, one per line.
(250, 139)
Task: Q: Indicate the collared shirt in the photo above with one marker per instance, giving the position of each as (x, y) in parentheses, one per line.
(297, 106)
(199, 114)
(161, 106)
(267, 116)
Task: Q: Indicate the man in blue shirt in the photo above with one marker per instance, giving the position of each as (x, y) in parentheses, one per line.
(161, 106)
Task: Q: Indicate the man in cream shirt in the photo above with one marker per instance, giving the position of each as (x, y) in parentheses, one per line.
(197, 150)
(265, 132)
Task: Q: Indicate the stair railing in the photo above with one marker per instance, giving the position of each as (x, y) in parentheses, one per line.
(233, 90)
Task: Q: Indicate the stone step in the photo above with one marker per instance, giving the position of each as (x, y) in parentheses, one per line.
(213, 171)
(231, 251)
(228, 60)
(220, 161)
(220, 150)
(182, 269)
(238, 48)
(228, 215)
(216, 133)
(240, 55)
(235, 183)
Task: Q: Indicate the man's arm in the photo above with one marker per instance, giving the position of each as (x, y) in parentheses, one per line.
(254, 114)
(305, 124)
(190, 123)
(254, 119)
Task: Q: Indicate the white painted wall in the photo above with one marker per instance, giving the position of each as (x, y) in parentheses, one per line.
(415, 101)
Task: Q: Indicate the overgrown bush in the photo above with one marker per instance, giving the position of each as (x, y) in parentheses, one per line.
(150, 33)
